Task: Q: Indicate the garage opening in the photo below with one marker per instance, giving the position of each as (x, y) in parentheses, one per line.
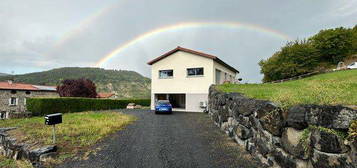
(177, 100)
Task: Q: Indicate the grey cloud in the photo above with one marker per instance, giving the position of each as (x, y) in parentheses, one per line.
(30, 31)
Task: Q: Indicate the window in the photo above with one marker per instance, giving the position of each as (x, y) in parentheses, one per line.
(3, 115)
(28, 92)
(13, 92)
(166, 74)
(194, 71)
(13, 101)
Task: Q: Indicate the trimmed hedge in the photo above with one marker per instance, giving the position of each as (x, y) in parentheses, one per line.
(43, 106)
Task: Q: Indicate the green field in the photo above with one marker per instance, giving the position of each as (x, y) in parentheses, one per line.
(77, 133)
(330, 88)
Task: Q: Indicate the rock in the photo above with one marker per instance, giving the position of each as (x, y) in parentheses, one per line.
(327, 160)
(327, 142)
(296, 117)
(353, 153)
(336, 117)
(264, 142)
(283, 159)
(291, 143)
(243, 132)
(273, 121)
(243, 121)
(47, 156)
(3, 130)
(244, 106)
(35, 154)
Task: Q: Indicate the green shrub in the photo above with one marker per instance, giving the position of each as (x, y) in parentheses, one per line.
(43, 106)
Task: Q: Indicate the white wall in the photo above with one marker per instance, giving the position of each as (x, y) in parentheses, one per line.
(180, 83)
(223, 70)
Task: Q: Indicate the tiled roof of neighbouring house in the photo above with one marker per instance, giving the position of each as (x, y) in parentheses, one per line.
(22, 86)
(105, 95)
(193, 52)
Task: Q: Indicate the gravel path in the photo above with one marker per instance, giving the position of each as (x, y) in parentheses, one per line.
(181, 140)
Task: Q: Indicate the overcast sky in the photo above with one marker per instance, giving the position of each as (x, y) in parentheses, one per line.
(39, 35)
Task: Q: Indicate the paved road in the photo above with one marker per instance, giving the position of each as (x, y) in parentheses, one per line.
(180, 140)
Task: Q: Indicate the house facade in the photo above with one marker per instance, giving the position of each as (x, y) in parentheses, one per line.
(183, 76)
(13, 97)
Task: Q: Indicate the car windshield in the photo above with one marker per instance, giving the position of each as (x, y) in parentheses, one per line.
(163, 103)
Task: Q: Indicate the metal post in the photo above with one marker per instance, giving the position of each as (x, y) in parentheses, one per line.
(54, 134)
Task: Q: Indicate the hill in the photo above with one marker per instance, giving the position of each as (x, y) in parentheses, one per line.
(126, 84)
(3, 74)
(330, 88)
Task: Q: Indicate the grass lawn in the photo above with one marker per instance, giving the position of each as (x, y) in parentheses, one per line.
(10, 163)
(77, 133)
(329, 88)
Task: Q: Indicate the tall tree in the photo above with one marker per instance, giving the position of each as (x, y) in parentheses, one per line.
(77, 88)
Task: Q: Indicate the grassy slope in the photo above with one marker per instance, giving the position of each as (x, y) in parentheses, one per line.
(126, 84)
(330, 88)
(76, 134)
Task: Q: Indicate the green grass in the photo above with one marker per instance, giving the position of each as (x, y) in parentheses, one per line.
(330, 88)
(10, 163)
(77, 133)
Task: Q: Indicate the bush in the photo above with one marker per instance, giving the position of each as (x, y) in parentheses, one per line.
(43, 106)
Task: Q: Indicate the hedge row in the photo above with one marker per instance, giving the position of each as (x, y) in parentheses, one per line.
(43, 106)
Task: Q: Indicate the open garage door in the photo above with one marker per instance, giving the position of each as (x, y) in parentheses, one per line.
(177, 101)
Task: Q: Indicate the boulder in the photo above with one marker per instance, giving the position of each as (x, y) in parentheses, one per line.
(243, 132)
(272, 121)
(328, 160)
(327, 142)
(283, 159)
(35, 154)
(291, 143)
(264, 142)
(296, 117)
(336, 117)
(243, 121)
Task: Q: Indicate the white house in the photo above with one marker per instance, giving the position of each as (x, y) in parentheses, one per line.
(183, 77)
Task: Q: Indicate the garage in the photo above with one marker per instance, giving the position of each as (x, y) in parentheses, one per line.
(178, 101)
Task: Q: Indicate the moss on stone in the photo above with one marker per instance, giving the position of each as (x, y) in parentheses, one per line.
(352, 131)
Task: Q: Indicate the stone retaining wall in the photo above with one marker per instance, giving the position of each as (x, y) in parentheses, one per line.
(10, 148)
(304, 136)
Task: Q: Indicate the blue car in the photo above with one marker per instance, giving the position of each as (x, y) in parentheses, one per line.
(163, 106)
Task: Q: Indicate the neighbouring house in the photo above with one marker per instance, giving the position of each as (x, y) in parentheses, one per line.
(183, 76)
(13, 97)
(106, 95)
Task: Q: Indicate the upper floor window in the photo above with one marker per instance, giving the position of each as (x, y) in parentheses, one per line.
(166, 74)
(13, 91)
(194, 71)
(13, 101)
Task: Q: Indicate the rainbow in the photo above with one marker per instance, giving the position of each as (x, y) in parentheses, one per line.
(86, 23)
(189, 25)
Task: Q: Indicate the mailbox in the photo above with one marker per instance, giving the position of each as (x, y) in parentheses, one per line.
(53, 119)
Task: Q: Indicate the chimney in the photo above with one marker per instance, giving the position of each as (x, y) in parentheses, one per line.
(10, 82)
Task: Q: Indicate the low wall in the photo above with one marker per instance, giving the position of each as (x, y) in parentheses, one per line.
(9, 147)
(304, 136)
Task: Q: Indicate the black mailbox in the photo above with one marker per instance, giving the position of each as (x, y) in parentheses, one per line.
(53, 119)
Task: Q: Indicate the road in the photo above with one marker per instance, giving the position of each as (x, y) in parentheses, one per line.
(180, 140)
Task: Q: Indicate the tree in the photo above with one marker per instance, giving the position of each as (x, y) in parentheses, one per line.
(296, 58)
(333, 44)
(77, 88)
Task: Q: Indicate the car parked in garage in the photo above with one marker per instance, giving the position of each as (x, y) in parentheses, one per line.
(163, 106)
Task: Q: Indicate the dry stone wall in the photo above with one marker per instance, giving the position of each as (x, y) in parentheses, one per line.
(305, 136)
(9, 147)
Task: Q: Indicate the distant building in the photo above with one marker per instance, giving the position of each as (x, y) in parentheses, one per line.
(106, 95)
(13, 97)
(183, 76)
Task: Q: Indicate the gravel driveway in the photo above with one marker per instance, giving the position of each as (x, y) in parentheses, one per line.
(181, 140)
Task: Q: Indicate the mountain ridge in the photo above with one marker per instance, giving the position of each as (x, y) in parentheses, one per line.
(124, 83)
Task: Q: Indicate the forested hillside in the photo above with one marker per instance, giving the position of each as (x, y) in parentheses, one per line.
(126, 84)
(319, 52)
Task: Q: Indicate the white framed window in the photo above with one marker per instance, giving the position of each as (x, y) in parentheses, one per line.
(13, 101)
(195, 71)
(3, 115)
(164, 74)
